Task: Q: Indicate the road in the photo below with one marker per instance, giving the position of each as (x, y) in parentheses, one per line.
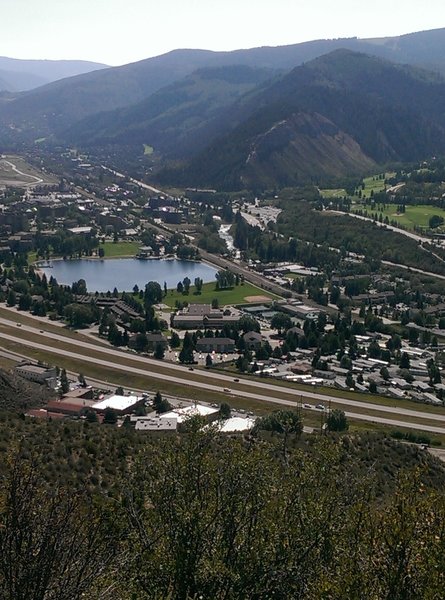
(141, 184)
(399, 266)
(259, 390)
(413, 236)
(410, 234)
(187, 382)
(36, 181)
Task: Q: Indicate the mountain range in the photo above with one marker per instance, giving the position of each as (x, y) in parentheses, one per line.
(18, 75)
(265, 116)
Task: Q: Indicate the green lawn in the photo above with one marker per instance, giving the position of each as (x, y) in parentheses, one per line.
(235, 295)
(333, 193)
(415, 215)
(114, 250)
(148, 149)
(374, 184)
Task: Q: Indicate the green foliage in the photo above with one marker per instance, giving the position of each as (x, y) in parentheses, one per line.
(435, 221)
(160, 404)
(110, 416)
(152, 518)
(225, 411)
(64, 383)
(337, 420)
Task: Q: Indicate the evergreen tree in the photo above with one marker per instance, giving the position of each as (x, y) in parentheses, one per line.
(64, 383)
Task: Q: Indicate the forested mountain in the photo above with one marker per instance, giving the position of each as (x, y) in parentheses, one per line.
(178, 119)
(18, 75)
(53, 107)
(336, 115)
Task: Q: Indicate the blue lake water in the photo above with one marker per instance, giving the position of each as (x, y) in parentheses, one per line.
(124, 273)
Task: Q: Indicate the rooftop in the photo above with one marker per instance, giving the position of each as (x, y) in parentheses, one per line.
(190, 411)
(117, 402)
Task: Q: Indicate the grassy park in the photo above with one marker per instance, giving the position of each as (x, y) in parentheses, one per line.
(120, 249)
(333, 193)
(240, 294)
(416, 215)
(372, 184)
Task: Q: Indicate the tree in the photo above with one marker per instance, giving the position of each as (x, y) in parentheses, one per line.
(346, 362)
(277, 352)
(350, 380)
(153, 293)
(281, 321)
(248, 323)
(198, 284)
(140, 342)
(285, 422)
(374, 350)
(159, 352)
(337, 421)
(81, 380)
(12, 298)
(209, 361)
(80, 315)
(25, 302)
(64, 383)
(91, 416)
(175, 341)
(186, 283)
(404, 361)
(119, 391)
(55, 542)
(225, 411)
(160, 404)
(186, 354)
(435, 221)
(110, 416)
(79, 287)
(384, 373)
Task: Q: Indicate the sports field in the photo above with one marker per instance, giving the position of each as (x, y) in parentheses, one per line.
(240, 294)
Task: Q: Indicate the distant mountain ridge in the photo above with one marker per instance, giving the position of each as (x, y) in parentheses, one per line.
(18, 75)
(51, 108)
(262, 116)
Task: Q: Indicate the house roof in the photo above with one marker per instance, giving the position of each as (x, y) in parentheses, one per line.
(253, 335)
(117, 402)
(214, 341)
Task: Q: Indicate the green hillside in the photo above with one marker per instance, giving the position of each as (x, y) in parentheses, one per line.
(337, 115)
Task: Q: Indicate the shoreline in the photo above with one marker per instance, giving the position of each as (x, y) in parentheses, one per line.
(44, 267)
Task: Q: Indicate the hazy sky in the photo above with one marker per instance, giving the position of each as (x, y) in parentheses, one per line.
(121, 31)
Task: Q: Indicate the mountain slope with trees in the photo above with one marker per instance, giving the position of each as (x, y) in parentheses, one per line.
(176, 120)
(52, 107)
(371, 110)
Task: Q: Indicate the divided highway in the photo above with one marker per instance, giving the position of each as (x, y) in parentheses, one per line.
(218, 382)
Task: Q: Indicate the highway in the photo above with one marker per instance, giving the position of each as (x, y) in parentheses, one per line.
(219, 382)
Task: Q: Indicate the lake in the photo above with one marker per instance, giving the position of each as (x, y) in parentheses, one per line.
(124, 273)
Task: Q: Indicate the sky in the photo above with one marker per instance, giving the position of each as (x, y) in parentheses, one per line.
(117, 32)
